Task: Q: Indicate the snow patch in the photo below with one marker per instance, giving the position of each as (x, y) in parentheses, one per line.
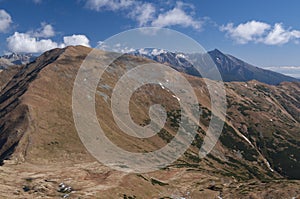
(142, 51)
(180, 55)
(156, 52)
(176, 97)
(161, 85)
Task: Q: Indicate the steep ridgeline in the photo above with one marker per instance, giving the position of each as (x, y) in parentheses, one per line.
(230, 68)
(13, 112)
(39, 146)
(234, 69)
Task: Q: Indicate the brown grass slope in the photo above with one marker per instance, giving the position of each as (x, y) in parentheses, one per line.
(40, 146)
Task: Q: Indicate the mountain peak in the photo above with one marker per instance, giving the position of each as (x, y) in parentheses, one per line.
(216, 51)
(16, 59)
(230, 68)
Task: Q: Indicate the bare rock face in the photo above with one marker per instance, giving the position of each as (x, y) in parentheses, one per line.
(257, 155)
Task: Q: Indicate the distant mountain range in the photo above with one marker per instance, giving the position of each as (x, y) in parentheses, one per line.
(230, 67)
(15, 59)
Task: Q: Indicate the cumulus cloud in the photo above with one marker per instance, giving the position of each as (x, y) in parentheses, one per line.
(25, 43)
(5, 21)
(279, 35)
(176, 16)
(38, 41)
(76, 40)
(45, 31)
(136, 10)
(243, 33)
(146, 13)
(143, 13)
(260, 32)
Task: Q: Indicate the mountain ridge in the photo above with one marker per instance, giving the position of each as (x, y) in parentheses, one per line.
(230, 68)
(46, 145)
(260, 74)
(15, 59)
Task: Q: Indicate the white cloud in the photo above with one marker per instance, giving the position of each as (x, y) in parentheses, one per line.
(176, 16)
(295, 34)
(137, 10)
(108, 4)
(279, 35)
(259, 32)
(284, 67)
(146, 13)
(25, 43)
(243, 33)
(45, 31)
(143, 13)
(293, 71)
(76, 40)
(5, 21)
(31, 42)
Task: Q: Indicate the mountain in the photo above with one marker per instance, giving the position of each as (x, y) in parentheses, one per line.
(15, 59)
(6, 74)
(230, 68)
(178, 61)
(257, 155)
(234, 69)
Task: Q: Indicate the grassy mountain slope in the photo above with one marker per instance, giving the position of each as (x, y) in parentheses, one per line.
(40, 148)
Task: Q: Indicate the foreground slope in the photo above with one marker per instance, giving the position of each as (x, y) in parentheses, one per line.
(40, 148)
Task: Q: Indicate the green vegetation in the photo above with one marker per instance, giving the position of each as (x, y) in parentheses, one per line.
(165, 135)
(174, 117)
(242, 108)
(193, 158)
(230, 139)
(262, 88)
(197, 142)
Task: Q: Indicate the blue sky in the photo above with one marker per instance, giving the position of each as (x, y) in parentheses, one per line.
(264, 33)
